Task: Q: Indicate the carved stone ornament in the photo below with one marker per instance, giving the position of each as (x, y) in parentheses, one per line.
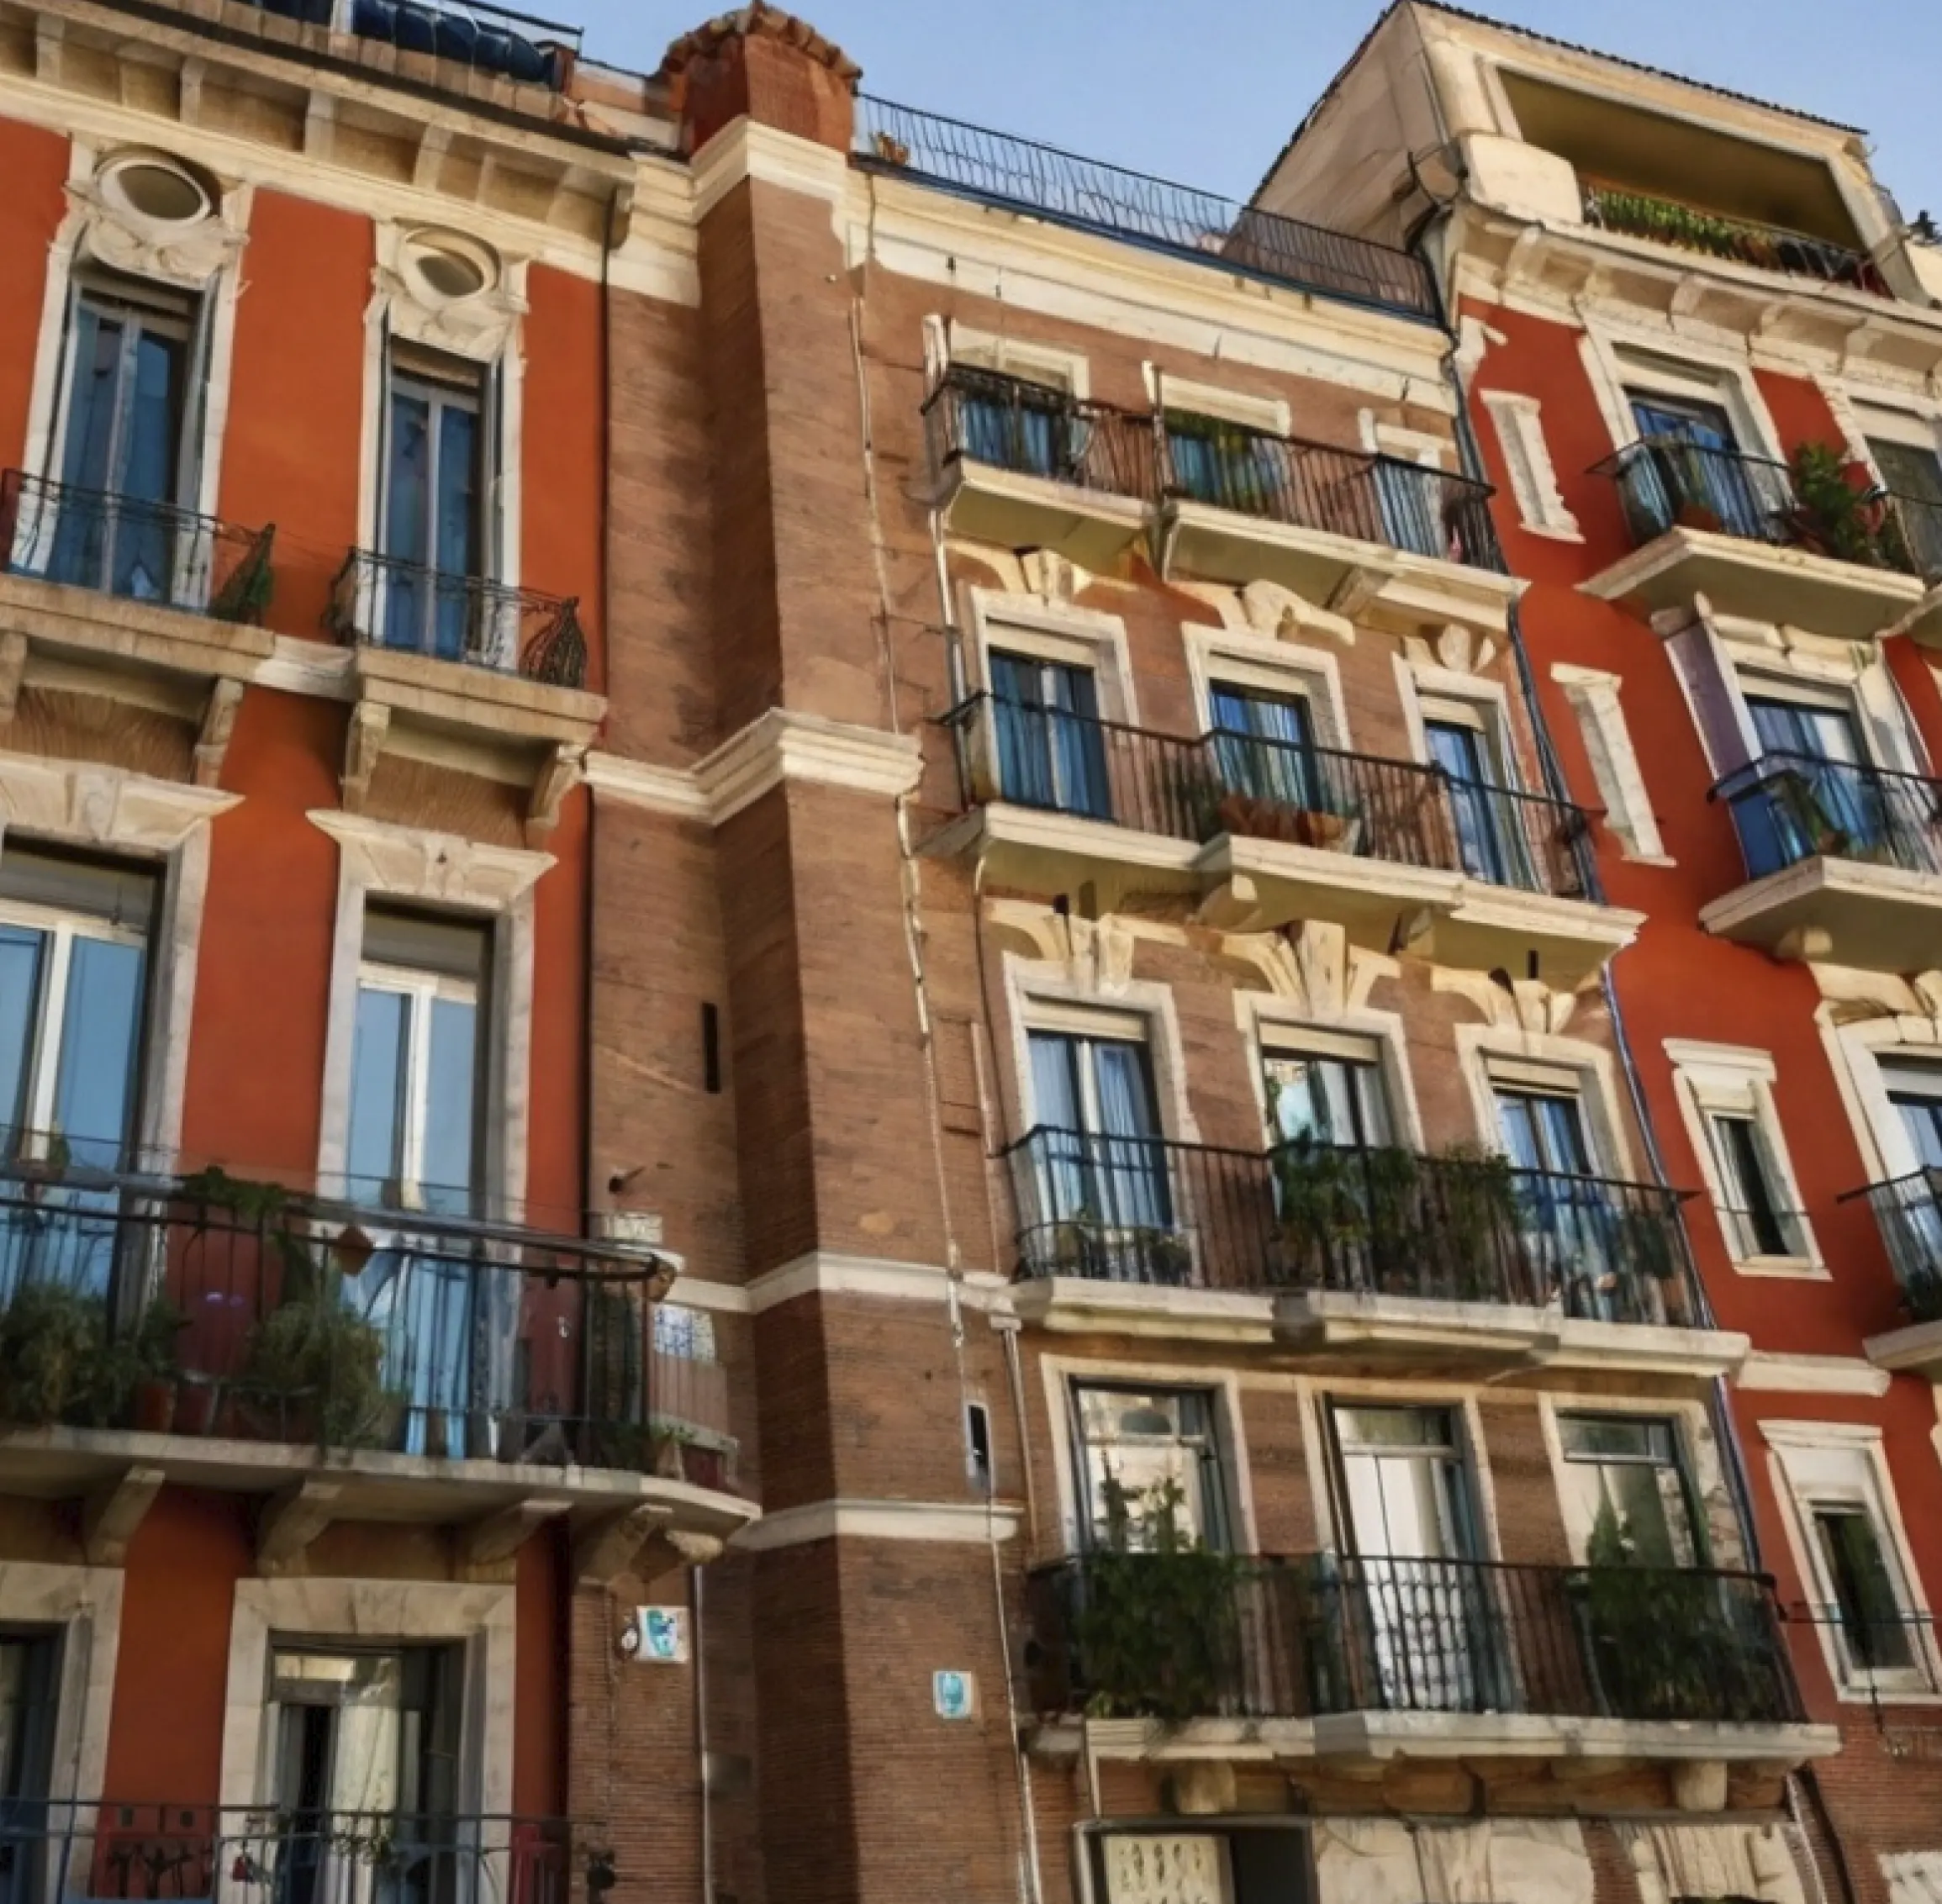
(479, 326)
(113, 234)
(1522, 1005)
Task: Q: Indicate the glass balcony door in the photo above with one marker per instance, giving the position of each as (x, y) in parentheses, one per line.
(1102, 1163)
(1819, 796)
(432, 527)
(30, 1855)
(1424, 1607)
(1051, 746)
(1490, 845)
(1321, 1098)
(124, 454)
(1912, 475)
(1265, 748)
(1015, 423)
(1690, 470)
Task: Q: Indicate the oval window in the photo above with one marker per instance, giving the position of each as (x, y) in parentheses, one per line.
(447, 267)
(155, 189)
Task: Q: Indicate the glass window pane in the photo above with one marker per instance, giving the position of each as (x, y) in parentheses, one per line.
(92, 401)
(22, 953)
(407, 481)
(1149, 1458)
(100, 1045)
(1865, 1600)
(452, 1106)
(1395, 1428)
(377, 1078)
(458, 490)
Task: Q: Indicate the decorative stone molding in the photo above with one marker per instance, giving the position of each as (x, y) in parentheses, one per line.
(107, 232)
(1499, 1861)
(1314, 966)
(440, 866)
(1457, 649)
(479, 327)
(84, 1605)
(1721, 1860)
(1524, 1004)
(956, 1523)
(1096, 956)
(1280, 614)
(104, 806)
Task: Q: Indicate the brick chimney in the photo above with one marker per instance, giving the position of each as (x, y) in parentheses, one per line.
(774, 67)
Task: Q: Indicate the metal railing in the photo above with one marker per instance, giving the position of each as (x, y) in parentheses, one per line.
(52, 1851)
(1908, 1214)
(181, 1308)
(1000, 170)
(1789, 807)
(380, 602)
(144, 552)
(1035, 429)
(1375, 499)
(1770, 247)
(1461, 1227)
(1192, 1634)
(471, 33)
(1405, 812)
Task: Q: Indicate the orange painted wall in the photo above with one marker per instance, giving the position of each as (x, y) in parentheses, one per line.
(291, 448)
(1677, 980)
(33, 165)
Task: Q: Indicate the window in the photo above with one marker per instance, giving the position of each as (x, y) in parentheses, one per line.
(1481, 789)
(1265, 750)
(433, 528)
(1851, 1556)
(358, 1737)
(1726, 1096)
(1051, 743)
(128, 439)
(1628, 814)
(1757, 1224)
(415, 1127)
(1330, 1093)
(1690, 472)
(1147, 1455)
(1914, 1087)
(1541, 505)
(1543, 1128)
(1228, 465)
(1264, 1863)
(1631, 1489)
(28, 1678)
(1019, 423)
(1912, 474)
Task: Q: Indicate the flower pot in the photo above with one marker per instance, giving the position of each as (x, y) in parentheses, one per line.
(155, 1407)
(705, 1467)
(195, 1408)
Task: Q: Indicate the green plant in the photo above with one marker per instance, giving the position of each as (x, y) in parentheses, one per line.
(1833, 517)
(52, 1344)
(314, 1352)
(1477, 1222)
(1153, 1616)
(144, 1352)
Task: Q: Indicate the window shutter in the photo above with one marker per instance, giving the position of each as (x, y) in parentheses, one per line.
(64, 376)
(190, 450)
(1720, 711)
(497, 534)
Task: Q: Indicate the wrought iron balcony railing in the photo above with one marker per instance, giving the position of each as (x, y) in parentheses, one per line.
(1384, 1221)
(997, 169)
(487, 39)
(1667, 483)
(1190, 1635)
(1908, 1214)
(53, 1851)
(1770, 247)
(1787, 807)
(380, 602)
(197, 1306)
(1246, 785)
(1035, 429)
(142, 550)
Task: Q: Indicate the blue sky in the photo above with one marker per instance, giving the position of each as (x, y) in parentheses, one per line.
(1147, 84)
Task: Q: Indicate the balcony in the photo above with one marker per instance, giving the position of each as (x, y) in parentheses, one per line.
(1907, 1211)
(1336, 1656)
(379, 1363)
(1460, 1261)
(124, 585)
(1843, 862)
(491, 41)
(1041, 181)
(59, 1851)
(1026, 465)
(1262, 832)
(1766, 247)
(1806, 544)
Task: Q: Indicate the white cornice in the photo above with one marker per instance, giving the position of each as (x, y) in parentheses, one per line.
(1811, 1375)
(99, 805)
(780, 744)
(743, 149)
(412, 863)
(828, 1273)
(948, 1523)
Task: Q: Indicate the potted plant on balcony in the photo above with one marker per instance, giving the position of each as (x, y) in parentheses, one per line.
(1153, 1617)
(315, 1369)
(1476, 1222)
(151, 1369)
(52, 1339)
(1322, 1211)
(1837, 512)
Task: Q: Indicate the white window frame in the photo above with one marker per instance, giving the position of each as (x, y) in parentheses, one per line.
(1594, 697)
(1712, 1080)
(1168, 394)
(1059, 1373)
(949, 341)
(1623, 360)
(1404, 445)
(422, 988)
(1029, 624)
(1441, 694)
(1223, 657)
(1795, 1451)
(1542, 1061)
(1527, 456)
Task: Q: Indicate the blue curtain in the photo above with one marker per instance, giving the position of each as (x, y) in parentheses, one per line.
(408, 523)
(1133, 1175)
(1051, 748)
(1263, 747)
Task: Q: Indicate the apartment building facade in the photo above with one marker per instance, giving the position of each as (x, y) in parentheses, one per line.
(327, 1404)
(1700, 342)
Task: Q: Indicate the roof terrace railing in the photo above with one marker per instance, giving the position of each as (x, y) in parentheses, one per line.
(1091, 196)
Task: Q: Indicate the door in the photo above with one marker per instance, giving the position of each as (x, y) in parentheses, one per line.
(1913, 476)
(1325, 1098)
(122, 458)
(415, 1140)
(432, 527)
(1485, 813)
(34, 1840)
(1051, 745)
(1340, 1213)
(1105, 1206)
(1421, 1604)
(1915, 1211)
(1690, 471)
(1817, 792)
(1015, 423)
(1264, 749)
(363, 1746)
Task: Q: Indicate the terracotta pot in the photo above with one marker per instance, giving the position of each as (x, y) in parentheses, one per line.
(196, 1406)
(155, 1407)
(705, 1467)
